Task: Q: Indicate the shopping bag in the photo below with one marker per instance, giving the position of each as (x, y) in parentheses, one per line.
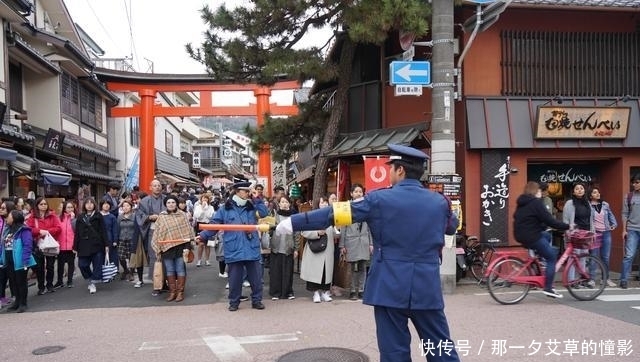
(158, 275)
(49, 246)
(109, 270)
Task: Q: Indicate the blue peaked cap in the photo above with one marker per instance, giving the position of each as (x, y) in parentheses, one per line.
(242, 186)
(405, 153)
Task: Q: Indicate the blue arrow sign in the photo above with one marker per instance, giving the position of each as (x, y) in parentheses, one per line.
(410, 73)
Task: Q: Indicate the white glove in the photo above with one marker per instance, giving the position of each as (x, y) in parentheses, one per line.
(284, 227)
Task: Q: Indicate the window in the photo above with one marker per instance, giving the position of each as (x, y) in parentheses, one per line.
(134, 132)
(572, 64)
(69, 96)
(15, 87)
(80, 102)
(168, 142)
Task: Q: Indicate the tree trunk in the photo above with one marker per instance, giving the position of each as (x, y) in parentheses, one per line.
(340, 101)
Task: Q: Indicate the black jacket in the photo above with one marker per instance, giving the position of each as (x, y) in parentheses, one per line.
(91, 235)
(531, 219)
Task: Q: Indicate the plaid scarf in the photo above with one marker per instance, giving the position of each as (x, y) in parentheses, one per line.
(171, 226)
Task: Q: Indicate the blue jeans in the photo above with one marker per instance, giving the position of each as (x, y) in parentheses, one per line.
(603, 252)
(91, 266)
(174, 267)
(630, 249)
(550, 254)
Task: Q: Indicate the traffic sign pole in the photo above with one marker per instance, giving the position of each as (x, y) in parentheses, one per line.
(443, 157)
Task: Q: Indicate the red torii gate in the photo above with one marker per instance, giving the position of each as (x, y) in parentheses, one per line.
(148, 85)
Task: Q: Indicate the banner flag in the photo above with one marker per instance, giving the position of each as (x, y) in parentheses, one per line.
(344, 181)
(376, 172)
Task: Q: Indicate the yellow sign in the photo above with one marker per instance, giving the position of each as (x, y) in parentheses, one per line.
(342, 213)
(554, 122)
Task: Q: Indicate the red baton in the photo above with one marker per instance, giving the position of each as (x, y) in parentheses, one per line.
(236, 227)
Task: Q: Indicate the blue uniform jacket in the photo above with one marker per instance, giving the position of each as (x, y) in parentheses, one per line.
(239, 245)
(408, 224)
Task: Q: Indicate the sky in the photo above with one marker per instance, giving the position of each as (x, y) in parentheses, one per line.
(153, 33)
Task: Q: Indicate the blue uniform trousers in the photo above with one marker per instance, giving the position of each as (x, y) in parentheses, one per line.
(235, 271)
(394, 337)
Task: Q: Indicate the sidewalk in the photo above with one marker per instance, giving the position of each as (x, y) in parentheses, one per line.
(483, 330)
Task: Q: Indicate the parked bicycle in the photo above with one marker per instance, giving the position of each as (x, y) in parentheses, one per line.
(510, 278)
(484, 255)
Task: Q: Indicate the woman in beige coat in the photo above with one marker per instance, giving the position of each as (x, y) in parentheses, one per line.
(317, 268)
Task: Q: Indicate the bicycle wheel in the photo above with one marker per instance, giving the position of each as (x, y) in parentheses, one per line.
(477, 269)
(502, 287)
(584, 277)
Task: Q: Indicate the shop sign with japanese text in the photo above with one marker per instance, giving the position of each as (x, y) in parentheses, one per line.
(554, 122)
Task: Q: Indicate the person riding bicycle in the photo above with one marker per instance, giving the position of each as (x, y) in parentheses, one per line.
(530, 220)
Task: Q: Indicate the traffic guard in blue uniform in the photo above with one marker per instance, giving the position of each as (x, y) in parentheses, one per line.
(408, 223)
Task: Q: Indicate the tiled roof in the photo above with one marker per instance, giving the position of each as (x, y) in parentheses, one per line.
(9, 132)
(375, 141)
(586, 3)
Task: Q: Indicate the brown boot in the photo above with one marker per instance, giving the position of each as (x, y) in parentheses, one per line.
(171, 280)
(180, 288)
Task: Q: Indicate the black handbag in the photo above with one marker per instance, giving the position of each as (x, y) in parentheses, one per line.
(318, 245)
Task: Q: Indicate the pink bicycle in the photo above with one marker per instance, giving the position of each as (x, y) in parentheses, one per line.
(509, 278)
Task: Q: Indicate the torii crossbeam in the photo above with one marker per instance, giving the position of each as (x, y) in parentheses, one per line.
(148, 85)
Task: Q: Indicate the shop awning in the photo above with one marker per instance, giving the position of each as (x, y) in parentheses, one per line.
(173, 179)
(375, 141)
(92, 175)
(7, 154)
(502, 122)
(305, 174)
(83, 147)
(222, 180)
(167, 164)
(52, 177)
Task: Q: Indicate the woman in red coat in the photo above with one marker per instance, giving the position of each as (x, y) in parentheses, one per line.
(43, 221)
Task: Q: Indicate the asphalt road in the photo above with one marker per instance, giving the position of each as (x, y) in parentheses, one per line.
(122, 323)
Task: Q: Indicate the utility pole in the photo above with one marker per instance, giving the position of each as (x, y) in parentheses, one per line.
(443, 156)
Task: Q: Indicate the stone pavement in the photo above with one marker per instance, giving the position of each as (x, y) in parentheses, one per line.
(538, 329)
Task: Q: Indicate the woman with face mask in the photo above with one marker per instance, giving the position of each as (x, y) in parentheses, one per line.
(284, 250)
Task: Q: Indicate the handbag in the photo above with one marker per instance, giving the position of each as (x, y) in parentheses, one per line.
(49, 246)
(158, 275)
(318, 245)
(212, 243)
(265, 241)
(109, 270)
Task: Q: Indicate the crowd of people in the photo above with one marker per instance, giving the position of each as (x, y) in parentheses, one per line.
(158, 231)
(133, 230)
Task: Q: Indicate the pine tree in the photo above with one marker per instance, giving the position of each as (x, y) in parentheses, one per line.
(260, 43)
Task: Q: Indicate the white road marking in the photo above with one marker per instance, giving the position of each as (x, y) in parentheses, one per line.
(619, 297)
(225, 347)
(638, 308)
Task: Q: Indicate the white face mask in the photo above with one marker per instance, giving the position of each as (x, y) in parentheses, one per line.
(239, 201)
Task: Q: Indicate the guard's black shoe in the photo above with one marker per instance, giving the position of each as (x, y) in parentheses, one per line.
(233, 308)
(257, 305)
(623, 285)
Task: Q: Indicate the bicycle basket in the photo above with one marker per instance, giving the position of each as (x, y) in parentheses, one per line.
(581, 239)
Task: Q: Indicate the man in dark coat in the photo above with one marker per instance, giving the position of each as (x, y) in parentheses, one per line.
(404, 279)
